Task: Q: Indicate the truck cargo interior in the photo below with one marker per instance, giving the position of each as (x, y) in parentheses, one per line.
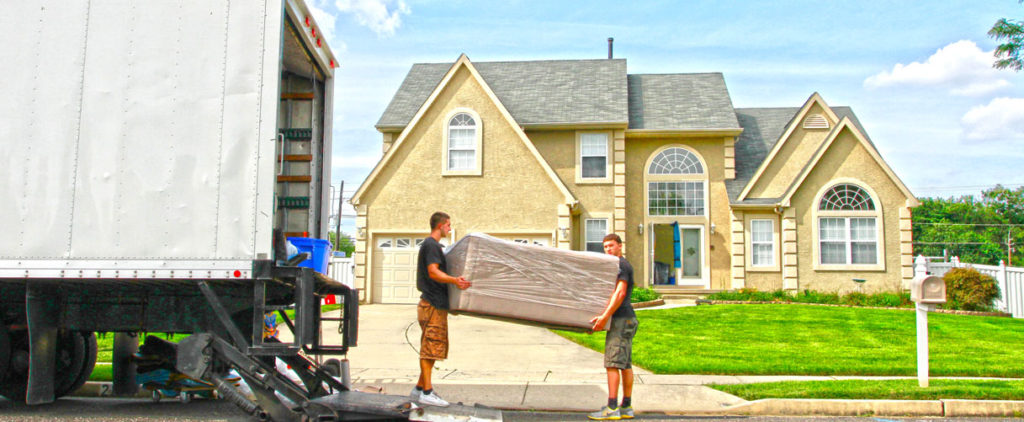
(300, 143)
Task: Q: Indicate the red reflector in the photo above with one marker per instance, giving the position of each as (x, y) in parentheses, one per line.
(305, 234)
(313, 31)
(238, 273)
(307, 20)
(318, 42)
(332, 63)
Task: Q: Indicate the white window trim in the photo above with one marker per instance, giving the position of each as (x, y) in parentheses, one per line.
(879, 227)
(583, 228)
(650, 178)
(774, 265)
(479, 156)
(608, 159)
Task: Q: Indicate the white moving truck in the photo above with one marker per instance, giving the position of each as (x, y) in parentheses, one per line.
(155, 154)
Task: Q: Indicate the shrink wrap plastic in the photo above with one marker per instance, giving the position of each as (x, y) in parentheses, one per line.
(530, 284)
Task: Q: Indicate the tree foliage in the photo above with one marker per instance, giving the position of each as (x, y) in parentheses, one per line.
(1007, 54)
(973, 229)
(346, 244)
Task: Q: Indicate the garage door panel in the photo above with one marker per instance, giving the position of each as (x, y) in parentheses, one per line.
(396, 271)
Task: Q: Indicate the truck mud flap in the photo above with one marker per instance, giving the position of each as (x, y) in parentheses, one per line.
(351, 403)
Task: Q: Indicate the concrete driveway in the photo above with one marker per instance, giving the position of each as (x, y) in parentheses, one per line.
(481, 351)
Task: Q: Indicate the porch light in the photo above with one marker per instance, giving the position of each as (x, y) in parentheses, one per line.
(712, 228)
(565, 232)
(639, 229)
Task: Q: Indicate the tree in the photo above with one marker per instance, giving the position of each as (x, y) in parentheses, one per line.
(976, 230)
(1008, 54)
(346, 244)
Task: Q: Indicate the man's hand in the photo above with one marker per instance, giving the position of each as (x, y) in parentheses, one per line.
(462, 283)
(599, 322)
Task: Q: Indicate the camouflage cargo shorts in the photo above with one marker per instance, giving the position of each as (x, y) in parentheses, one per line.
(618, 343)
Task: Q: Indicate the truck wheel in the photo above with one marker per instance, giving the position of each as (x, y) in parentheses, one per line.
(5, 351)
(69, 364)
(87, 363)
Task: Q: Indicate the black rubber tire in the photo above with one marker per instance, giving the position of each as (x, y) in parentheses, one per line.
(5, 352)
(88, 363)
(70, 359)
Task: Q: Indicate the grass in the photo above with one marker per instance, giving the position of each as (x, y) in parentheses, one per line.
(816, 340)
(880, 390)
(882, 300)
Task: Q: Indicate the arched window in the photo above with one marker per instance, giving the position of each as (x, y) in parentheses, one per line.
(676, 183)
(848, 227)
(462, 142)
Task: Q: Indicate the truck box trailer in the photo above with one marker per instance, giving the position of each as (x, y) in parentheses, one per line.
(155, 156)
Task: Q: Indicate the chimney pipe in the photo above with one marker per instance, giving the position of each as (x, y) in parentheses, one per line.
(610, 41)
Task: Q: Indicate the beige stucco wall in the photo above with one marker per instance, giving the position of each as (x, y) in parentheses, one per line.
(596, 200)
(513, 194)
(791, 158)
(847, 158)
(638, 152)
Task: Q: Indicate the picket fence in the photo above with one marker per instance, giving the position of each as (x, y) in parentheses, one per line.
(1010, 280)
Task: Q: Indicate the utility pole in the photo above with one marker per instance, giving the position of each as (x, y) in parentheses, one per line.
(341, 203)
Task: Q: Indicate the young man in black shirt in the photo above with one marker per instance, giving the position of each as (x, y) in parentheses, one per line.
(432, 312)
(618, 344)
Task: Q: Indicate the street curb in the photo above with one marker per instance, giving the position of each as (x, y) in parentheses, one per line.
(105, 389)
(984, 408)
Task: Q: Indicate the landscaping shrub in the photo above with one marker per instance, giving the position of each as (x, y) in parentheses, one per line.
(883, 300)
(641, 294)
(970, 290)
(811, 296)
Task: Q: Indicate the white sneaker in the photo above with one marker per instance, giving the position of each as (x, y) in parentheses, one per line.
(432, 399)
(415, 394)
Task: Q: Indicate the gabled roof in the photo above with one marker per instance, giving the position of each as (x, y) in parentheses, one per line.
(534, 92)
(814, 99)
(762, 128)
(846, 124)
(463, 61)
(688, 101)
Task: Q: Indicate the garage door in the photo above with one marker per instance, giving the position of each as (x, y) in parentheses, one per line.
(533, 239)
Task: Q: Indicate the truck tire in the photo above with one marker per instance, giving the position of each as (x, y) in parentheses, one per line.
(70, 360)
(88, 363)
(5, 352)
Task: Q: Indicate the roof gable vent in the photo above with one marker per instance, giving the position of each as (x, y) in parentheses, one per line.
(816, 121)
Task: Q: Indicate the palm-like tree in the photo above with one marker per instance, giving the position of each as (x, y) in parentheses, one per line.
(1008, 54)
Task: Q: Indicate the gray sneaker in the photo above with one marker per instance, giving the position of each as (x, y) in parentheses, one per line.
(415, 394)
(626, 412)
(605, 414)
(432, 399)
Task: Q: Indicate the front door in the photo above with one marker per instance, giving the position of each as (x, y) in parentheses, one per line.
(677, 255)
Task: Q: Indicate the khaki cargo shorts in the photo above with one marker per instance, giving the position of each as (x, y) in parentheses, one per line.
(618, 343)
(434, 339)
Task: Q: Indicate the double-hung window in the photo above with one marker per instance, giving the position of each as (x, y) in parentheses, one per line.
(762, 243)
(594, 156)
(594, 231)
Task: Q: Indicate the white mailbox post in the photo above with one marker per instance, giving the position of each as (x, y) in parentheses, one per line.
(926, 291)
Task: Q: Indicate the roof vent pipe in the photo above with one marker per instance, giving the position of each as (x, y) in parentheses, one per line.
(610, 41)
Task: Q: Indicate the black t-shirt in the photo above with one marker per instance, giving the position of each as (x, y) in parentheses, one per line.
(431, 252)
(625, 273)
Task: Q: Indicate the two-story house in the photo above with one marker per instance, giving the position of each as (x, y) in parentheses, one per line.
(561, 152)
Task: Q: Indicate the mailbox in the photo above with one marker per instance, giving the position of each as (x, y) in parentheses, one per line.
(928, 289)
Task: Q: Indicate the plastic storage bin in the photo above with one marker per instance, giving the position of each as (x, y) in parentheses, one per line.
(319, 249)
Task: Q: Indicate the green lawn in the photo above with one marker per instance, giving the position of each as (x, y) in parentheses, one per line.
(880, 390)
(818, 340)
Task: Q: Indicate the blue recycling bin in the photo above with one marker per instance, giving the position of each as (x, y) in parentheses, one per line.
(319, 250)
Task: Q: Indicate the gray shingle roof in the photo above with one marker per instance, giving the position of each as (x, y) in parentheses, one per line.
(534, 92)
(761, 130)
(680, 102)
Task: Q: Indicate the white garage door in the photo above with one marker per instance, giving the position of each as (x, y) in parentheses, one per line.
(394, 268)
(535, 239)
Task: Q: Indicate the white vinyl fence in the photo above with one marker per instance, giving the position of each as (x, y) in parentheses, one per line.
(1009, 279)
(342, 270)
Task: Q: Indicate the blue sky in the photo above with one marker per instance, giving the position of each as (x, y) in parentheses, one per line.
(918, 74)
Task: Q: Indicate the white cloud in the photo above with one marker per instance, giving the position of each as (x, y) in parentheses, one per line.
(1001, 119)
(961, 67)
(323, 19)
(381, 16)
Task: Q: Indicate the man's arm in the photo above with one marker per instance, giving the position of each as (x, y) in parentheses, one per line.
(613, 303)
(434, 270)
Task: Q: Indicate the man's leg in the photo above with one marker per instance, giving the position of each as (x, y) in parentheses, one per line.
(613, 384)
(426, 369)
(627, 382)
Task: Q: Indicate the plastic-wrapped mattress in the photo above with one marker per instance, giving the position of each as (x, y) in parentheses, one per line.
(530, 284)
